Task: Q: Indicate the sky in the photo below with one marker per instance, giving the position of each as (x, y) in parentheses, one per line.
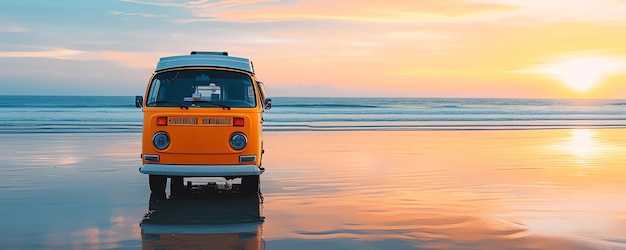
(364, 48)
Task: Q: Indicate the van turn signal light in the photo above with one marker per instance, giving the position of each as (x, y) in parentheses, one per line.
(161, 121)
(237, 121)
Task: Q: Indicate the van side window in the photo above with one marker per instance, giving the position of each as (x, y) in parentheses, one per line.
(262, 91)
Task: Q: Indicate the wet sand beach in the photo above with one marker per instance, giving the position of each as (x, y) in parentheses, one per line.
(452, 189)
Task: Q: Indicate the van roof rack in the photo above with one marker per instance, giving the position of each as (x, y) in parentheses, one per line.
(205, 58)
(223, 53)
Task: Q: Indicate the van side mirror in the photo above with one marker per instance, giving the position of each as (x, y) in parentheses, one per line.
(139, 101)
(268, 103)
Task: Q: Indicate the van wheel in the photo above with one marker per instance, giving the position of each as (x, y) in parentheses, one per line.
(157, 187)
(249, 185)
(177, 187)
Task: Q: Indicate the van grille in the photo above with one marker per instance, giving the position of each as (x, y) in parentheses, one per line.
(206, 121)
(217, 121)
(182, 121)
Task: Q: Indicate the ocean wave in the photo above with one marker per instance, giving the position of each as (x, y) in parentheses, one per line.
(66, 106)
(440, 118)
(55, 114)
(320, 105)
(437, 127)
(124, 128)
(447, 106)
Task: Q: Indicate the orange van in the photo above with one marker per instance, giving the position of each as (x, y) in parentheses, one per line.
(203, 117)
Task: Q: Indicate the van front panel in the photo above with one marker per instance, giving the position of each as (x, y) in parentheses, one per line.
(193, 142)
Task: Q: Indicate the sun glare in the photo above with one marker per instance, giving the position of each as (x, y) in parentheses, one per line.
(582, 74)
(582, 147)
(581, 143)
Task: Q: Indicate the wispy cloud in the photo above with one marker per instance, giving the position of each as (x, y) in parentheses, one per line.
(59, 53)
(569, 11)
(379, 11)
(201, 4)
(155, 3)
(14, 29)
(126, 59)
(117, 12)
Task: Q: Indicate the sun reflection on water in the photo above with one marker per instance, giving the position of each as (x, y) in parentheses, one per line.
(585, 146)
(581, 143)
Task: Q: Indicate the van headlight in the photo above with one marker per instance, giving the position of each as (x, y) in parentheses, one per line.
(238, 141)
(161, 140)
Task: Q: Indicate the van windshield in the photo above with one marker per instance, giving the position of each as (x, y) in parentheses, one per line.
(201, 88)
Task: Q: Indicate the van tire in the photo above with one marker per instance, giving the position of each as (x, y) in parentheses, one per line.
(249, 185)
(157, 187)
(177, 187)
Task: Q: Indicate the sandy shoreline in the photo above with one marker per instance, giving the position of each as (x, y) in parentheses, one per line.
(396, 189)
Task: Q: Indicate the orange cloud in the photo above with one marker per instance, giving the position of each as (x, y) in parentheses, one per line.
(571, 10)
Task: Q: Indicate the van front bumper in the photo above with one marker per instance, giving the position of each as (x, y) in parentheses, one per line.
(200, 170)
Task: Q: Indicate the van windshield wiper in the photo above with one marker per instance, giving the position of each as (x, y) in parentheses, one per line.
(215, 103)
(181, 105)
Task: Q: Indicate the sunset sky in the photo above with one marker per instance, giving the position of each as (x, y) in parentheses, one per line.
(425, 48)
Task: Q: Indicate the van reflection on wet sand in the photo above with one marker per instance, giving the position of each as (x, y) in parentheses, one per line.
(201, 222)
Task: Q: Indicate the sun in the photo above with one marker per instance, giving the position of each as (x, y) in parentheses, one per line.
(583, 73)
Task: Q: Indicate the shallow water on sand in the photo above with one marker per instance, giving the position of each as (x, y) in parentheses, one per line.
(496, 189)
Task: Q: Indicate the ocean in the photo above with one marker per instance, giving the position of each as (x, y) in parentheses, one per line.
(340, 173)
(114, 114)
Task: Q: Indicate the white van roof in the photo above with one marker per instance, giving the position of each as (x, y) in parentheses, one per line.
(199, 58)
